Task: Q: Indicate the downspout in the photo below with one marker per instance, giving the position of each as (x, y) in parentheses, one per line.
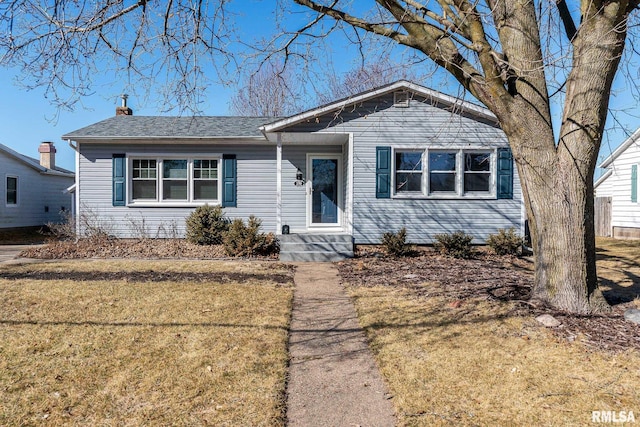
(76, 208)
(279, 184)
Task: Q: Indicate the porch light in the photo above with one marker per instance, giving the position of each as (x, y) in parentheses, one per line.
(299, 180)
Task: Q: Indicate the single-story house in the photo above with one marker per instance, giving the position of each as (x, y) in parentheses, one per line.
(401, 155)
(32, 191)
(617, 189)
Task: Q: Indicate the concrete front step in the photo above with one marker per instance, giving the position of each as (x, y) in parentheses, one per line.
(315, 247)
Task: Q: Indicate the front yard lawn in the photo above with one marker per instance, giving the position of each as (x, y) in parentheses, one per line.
(456, 345)
(144, 343)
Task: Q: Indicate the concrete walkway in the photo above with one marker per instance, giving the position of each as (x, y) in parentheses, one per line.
(333, 379)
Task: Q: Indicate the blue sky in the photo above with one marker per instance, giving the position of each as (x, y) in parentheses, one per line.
(27, 117)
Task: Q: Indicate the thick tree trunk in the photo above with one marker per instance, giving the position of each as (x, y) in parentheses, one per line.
(563, 239)
(557, 179)
(559, 203)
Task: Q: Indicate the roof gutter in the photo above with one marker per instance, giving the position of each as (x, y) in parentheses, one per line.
(165, 138)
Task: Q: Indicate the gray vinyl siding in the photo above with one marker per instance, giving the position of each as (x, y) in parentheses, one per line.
(36, 191)
(256, 189)
(419, 126)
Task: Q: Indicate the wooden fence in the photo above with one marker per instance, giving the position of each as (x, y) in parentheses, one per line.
(602, 216)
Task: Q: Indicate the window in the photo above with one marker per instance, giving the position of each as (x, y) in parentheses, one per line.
(12, 190)
(477, 172)
(174, 180)
(180, 180)
(408, 171)
(444, 173)
(205, 179)
(144, 175)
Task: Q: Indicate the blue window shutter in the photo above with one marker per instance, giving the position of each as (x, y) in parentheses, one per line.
(383, 172)
(229, 181)
(634, 183)
(505, 174)
(118, 189)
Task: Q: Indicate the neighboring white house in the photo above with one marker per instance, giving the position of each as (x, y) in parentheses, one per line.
(32, 192)
(620, 184)
(397, 156)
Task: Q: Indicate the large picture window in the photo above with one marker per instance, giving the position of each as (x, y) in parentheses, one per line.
(171, 180)
(12, 190)
(449, 173)
(174, 180)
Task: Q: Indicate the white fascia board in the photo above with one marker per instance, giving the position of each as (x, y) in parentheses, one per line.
(633, 138)
(603, 178)
(402, 84)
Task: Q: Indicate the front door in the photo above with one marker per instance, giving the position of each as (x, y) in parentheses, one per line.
(325, 198)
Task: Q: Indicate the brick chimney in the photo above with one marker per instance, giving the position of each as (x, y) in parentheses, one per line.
(47, 155)
(123, 110)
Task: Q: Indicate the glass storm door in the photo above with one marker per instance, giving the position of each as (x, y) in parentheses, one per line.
(325, 189)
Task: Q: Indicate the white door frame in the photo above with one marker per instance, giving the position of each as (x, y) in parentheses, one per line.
(340, 188)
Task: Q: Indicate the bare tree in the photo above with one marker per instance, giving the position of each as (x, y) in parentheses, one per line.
(62, 45)
(371, 74)
(514, 56)
(269, 92)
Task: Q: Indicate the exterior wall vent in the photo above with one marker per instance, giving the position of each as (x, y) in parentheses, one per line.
(401, 98)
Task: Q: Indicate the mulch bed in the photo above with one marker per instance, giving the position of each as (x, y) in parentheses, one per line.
(494, 278)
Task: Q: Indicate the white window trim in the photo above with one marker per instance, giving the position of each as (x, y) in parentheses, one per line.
(17, 203)
(159, 157)
(459, 193)
(309, 184)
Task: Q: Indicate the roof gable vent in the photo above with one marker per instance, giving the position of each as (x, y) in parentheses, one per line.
(401, 98)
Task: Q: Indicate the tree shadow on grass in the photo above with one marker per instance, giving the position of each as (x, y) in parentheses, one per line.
(148, 276)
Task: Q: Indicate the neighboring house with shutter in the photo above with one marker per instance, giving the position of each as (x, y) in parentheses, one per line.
(397, 156)
(33, 192)
(619, 186)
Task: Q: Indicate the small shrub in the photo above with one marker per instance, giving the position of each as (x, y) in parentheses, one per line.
(506, 242)
(206, 225)
(457, 245)
(64, 230)
(395, 244)
(247, 240)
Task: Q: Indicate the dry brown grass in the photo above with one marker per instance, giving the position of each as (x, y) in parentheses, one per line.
(478, 361)
(619, 269)
(165, 343)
